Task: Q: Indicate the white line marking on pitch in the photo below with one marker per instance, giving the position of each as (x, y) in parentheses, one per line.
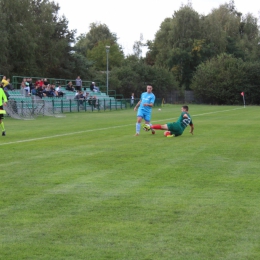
(101, 129)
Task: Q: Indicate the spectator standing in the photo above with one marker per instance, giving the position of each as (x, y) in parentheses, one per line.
(132, 101)
(6, 84)
(78, 83)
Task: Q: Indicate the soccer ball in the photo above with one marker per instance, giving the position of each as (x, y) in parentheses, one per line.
(159, 109)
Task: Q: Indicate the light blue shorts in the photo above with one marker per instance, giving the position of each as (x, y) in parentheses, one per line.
(145, 115)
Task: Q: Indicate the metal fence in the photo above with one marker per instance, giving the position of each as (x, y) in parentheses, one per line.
(176, 97)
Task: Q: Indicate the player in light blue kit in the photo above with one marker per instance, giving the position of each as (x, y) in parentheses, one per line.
(144, 109)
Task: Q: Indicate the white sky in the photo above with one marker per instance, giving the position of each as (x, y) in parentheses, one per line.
(128, 19)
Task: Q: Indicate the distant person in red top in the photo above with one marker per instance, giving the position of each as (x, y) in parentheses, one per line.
(39, 82)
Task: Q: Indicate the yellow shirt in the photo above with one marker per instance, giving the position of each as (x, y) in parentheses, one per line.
(5, 82)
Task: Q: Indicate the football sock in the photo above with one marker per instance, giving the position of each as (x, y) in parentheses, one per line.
(151, 127)
(156, 127)
(138, 127)
(2, 126)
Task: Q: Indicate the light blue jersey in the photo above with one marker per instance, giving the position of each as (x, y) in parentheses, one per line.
(145, 111)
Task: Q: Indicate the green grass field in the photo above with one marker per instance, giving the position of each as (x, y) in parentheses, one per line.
(83, 187)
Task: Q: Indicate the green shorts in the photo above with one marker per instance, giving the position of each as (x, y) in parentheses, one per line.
(175, 128)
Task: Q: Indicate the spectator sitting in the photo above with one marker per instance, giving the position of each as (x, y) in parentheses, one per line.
(59, 91)
(48, 91)
(34, 90)
(86, 95)
(53, 91)
(93, 101)
(31, 85)
(25, 88)
(45, 82)
(96, 89)
(40, 82)
(92, 86)
(96, 102)
(70, 87)
(39, 91)
(80, 97)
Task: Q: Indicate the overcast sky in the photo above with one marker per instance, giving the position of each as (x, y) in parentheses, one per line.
(128, 19)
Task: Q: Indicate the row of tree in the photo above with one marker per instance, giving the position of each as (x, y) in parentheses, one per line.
(217, 56)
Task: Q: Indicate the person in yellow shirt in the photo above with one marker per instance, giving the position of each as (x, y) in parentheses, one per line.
(6, 84)
(3, 101)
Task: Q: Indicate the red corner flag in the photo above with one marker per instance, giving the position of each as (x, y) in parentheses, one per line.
(242, 94)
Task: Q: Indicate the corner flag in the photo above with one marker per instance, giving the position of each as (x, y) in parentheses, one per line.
(243, 95)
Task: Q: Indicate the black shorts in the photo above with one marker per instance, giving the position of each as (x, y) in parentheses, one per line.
(78, 88)
(1, 115)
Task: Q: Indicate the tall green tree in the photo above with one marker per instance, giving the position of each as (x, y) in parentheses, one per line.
(138, 45)
(37, 39)
(175, 47)
(188, 39)
(220, 80)
(134, 74)
(97, 32)
(99, 57)
(251, 87)
(93, 44)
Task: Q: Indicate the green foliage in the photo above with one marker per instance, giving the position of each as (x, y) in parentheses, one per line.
(173, 44)
(37, 40)
(251, 87)
(98, 32)
(135, 74)
(220, 80)
(137, 47)
(188, 39)
(99, 56)
(93, 46)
